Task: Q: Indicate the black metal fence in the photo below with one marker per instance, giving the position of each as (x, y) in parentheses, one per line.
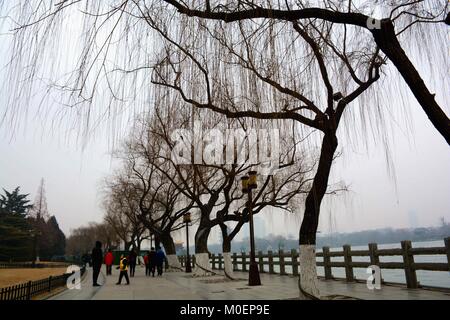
(27, 290)
(23, 265)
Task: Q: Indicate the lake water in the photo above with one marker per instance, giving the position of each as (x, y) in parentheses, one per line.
(427, 278)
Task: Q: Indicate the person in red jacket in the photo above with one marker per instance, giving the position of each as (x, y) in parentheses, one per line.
(147, 263)
(109, 259)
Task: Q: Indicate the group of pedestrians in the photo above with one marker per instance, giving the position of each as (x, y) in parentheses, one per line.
(152, 260)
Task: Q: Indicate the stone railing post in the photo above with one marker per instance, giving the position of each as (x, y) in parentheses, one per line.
(294, 260)
(261, 261)
(220, 261)
(270, 254)
(282, 263)
(327, 263)
(447, 248)
(348, 263)
(244, 264)
(408, 261)
(374, 257)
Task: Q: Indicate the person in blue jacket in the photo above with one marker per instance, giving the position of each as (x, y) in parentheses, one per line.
(160, 258)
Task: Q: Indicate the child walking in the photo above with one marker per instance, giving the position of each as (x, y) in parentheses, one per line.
(123, 266)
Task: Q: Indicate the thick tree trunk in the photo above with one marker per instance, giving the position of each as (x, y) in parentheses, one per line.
(388, 43)
(157, 241)
(169, 247)
(127, 246)
(202, 266)
(308, 282)
(227, 261)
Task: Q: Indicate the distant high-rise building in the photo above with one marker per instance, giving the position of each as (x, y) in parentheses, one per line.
(413, 220)
(260, 228)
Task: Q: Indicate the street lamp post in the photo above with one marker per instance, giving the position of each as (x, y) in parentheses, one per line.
(248, 184)
(187, 219)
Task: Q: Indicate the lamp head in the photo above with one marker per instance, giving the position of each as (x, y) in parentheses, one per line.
(244, 182)
(252, 180)
(187, 217)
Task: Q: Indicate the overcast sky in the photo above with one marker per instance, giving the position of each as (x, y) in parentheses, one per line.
(416, 193)
(418, 196)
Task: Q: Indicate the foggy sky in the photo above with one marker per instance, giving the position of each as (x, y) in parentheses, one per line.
(375, 200)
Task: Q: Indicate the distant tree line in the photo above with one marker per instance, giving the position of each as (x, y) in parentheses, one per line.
(26, 230)
(360, 238)
(82, 239)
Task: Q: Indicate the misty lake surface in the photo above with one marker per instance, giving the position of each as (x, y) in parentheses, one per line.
(426, 278)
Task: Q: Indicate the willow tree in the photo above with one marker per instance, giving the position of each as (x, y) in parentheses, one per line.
(159, 201)
(121, 208)
(301, 67)
(213, 187)
(300, 60)
(398, 18)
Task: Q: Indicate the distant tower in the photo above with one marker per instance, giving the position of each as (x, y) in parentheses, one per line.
(260, 227)
(413, 219)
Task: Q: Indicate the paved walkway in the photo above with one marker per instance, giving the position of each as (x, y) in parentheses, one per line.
(180, 286)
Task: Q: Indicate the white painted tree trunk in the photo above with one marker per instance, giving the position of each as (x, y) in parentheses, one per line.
(202, 267)
(308, 282)
(228, 265)
(174, 263)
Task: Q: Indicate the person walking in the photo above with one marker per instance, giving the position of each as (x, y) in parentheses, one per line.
(97, 259)
(147, 263)
(109, 259)
(160, 258)
(123, 267)
(152, 261)
(132, 261)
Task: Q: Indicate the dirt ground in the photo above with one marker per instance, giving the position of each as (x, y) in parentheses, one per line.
(9, 277)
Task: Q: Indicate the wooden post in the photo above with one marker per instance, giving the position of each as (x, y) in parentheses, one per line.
(2, 294)
(447, 247)
(28, 290)
(408, 261)
(270, 262)
(281, 259)
(193, 261)
(49, 283)
(261, 262)
(348, 263)
(244, 265)
(327, 263)
(220, 261)
(213, 257)
(235, 265)
(294, 262)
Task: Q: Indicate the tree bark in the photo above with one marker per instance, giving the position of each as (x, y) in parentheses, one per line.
(386, 39)
(157, 241)
(226, 253)
(202, 267)
(169, 246)
(308, 283)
